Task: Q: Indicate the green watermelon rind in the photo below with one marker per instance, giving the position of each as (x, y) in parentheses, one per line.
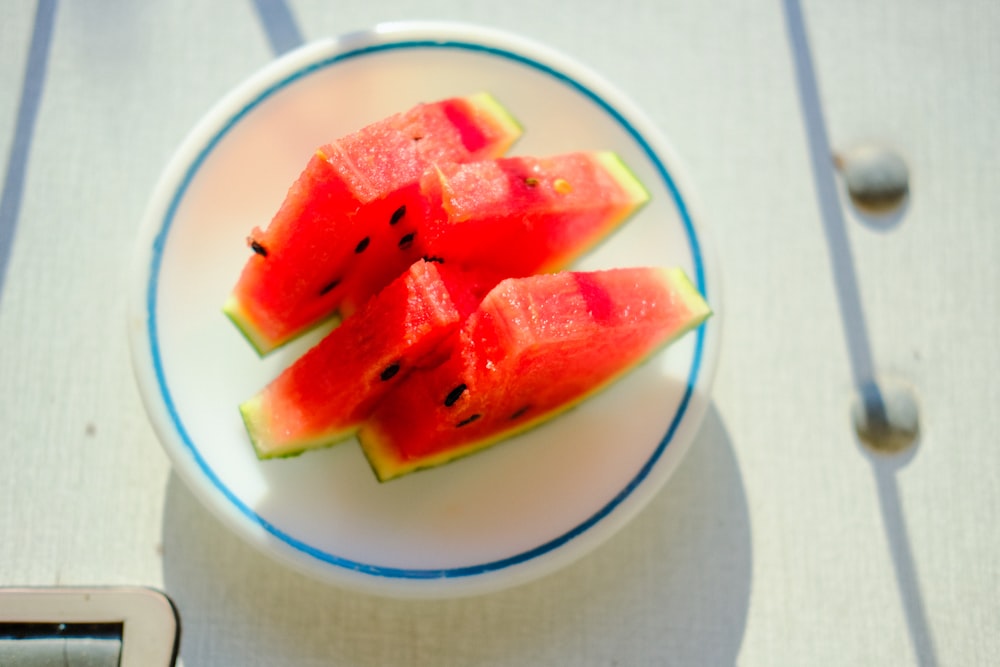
(232, 309)
(263, 347)
(254, 417)
(638, 196)
(384, 472)
(624, 176)
(510, 126)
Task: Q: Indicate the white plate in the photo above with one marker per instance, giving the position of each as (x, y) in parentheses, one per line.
(501, 517)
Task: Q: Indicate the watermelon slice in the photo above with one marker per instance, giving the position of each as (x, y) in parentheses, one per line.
(535, 347)
(328, 219)
(523, 215)
(322, 398)
(507, 217)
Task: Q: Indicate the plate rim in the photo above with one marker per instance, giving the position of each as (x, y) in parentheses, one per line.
(236, 513)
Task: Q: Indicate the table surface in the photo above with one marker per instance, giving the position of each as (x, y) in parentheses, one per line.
(779, 541)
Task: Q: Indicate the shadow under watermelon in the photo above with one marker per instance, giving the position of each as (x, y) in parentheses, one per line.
(675, 581)
(511, 504)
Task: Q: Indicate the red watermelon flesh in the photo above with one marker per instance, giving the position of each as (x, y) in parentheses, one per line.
(526, 215)
(509, 217)
(535, 347)
(323, 397)
(325, 226)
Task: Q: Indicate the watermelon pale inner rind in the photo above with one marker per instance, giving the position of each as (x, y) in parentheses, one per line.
(412, 430)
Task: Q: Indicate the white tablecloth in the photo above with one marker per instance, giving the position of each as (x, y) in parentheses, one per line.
(780, 541)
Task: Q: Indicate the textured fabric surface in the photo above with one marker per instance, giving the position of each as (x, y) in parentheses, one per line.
(778, 542)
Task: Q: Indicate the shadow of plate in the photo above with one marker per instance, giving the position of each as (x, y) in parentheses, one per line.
(672, 587)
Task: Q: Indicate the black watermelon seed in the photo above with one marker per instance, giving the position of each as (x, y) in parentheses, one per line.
(520, 412)
(390, 371)
(454, 395)
(258, 248)
(530, 181)
(362, 244)
(406, 241)
(398, 214)
(434, 258)
(329, 286)
(466, 422)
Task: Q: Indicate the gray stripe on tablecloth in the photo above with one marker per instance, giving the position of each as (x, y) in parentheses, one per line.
(24, 128)
(279, 24)
(855, 331)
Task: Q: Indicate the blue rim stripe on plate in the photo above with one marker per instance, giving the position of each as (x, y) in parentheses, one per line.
(403, 573)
